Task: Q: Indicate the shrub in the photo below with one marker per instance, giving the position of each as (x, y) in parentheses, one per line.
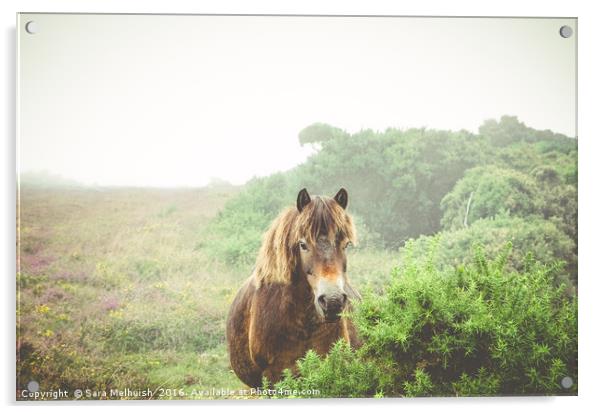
(340, 373)
(320, 132)
(235, 234)
(509, 130)
(476, 330)
(490, 191)
(534, 235)
(396, 178)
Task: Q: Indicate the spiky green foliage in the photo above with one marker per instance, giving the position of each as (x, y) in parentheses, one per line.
(476, 330)
(339, 373)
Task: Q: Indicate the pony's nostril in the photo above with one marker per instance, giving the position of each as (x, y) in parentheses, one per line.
(344, 298)
(322, 301)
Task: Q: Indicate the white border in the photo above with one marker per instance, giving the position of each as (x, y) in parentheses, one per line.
(590, 131)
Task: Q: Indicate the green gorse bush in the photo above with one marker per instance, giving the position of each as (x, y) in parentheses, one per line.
(479, 329)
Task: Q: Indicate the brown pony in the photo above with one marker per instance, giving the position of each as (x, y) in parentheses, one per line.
(293, 300)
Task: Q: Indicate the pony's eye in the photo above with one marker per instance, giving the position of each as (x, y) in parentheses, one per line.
(303, 246)
(347, 244)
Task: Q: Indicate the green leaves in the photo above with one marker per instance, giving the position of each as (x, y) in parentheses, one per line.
(320, 132)
(420, 386)
(490, 307)
(532, 239)
(407, 183)
(492, 191)
(341, 373)
(455, 332)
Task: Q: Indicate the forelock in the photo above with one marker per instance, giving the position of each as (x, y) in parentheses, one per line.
(324, 216)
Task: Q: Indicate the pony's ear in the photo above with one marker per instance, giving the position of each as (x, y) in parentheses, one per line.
(303, 199)
(341, 198)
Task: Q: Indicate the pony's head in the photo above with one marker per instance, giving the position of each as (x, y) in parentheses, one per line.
(310, 242)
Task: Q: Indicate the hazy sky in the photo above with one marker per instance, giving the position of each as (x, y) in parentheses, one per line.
(175, 100)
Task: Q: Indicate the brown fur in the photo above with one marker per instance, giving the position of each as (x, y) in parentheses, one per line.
(273, 320)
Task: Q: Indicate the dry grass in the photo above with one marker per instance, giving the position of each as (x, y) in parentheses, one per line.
(114, 293)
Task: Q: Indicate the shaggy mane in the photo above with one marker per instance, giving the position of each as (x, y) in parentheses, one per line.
(279, 253)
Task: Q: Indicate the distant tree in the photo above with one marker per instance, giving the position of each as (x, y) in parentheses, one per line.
(395, 178)
(397, 181)
(509, 130)
(505, 132)
(319, 132)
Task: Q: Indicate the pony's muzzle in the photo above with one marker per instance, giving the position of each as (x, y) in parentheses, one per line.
(332, 305)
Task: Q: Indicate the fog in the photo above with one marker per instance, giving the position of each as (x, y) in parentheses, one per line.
(177, 100)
